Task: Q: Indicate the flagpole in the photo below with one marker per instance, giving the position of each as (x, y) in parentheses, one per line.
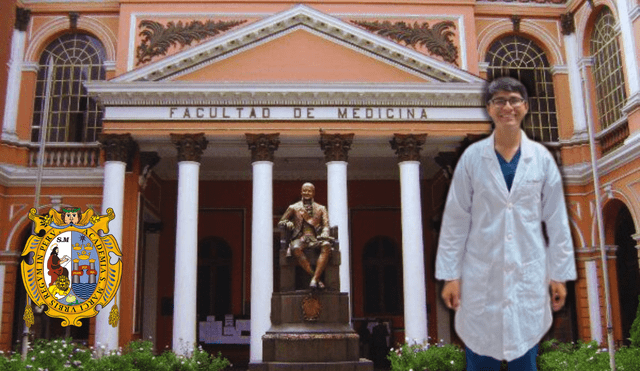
(603, 252)
(36, 202)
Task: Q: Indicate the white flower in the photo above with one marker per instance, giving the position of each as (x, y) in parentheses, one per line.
(451, 362)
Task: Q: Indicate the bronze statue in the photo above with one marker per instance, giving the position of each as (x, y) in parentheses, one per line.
(309, 223)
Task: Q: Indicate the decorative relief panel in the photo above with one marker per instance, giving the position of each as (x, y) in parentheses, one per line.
(158, 39)
(438, 40)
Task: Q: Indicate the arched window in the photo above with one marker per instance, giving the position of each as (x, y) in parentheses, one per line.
(382, 268)
(214, 278)
(61, 103)
(524, 60)
(607, 69)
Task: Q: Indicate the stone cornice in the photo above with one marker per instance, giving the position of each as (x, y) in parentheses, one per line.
(206, 93)
(580, 174)
(299, 17)
(263, 146)
(16, 176)
(633, 103)
(336, 146)
(559, 69)
(189, 146)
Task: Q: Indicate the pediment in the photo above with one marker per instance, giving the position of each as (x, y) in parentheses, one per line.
(312, 40)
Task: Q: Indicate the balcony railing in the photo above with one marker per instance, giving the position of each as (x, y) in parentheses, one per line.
(66, 155)
(613, 136)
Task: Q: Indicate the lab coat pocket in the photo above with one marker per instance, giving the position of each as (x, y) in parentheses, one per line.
(532, 286)
(475, 279)
(531, 207)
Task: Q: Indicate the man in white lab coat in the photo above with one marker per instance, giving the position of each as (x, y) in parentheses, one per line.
(492, 253)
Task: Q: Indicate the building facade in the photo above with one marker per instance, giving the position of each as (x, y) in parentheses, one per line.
(198, 121)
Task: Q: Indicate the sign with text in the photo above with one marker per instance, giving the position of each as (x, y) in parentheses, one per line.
(294, 113)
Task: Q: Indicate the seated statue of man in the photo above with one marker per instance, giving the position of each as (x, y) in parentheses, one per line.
(309, 223)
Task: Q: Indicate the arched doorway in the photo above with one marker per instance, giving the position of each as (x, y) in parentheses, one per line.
(628, 270)
(214, 278)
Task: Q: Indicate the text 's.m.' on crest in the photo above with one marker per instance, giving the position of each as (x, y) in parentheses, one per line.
(69, 267)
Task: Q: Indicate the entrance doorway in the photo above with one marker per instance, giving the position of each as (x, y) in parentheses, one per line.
(628, 270)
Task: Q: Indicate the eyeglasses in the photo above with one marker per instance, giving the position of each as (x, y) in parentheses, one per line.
(501, 102)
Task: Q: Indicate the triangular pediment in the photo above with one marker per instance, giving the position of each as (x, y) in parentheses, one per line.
(302, 56)
(308, 39)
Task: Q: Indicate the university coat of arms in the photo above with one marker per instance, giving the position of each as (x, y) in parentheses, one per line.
(69, 267)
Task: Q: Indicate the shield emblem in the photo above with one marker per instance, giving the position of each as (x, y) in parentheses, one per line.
(69, 267)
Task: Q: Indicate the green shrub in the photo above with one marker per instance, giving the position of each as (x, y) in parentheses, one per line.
(582, 356)
(419, 357)
(635, 329)
(58, 355)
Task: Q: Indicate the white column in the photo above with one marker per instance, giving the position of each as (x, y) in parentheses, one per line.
(593, 298)
(261, 256)
(575, 85)
(112, 197)
(339, 216)
(186, 268)
(13, 86)
(415, 297)
(629, 48)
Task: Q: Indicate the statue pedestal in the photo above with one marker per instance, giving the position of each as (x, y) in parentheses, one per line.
(311, 331)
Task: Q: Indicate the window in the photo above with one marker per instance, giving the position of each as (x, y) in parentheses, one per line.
(382, 276)
(607, 69)
(524, 60)
(61, 103)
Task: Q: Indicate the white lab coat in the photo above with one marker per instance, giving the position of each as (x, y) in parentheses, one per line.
(491, 239)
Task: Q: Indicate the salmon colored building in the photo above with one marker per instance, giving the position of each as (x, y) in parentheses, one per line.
(198, 122)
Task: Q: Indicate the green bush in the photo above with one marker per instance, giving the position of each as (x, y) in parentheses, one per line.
(553, 356)
(58, 355)
(582, 356)
(635, 329)
(419, 357)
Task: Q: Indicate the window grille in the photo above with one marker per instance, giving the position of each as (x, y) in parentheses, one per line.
(607, 69)
(524, 60)
(61, 98)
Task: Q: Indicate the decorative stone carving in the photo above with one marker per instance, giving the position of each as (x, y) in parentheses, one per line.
(437, 39)
(158, 38)
(407, 146)
(515, 19)
(336, 146)
(189, 146)
(22, 18)
(311, 308)
(73, 20)
(263, 146)
(118, 147)
(568, 24)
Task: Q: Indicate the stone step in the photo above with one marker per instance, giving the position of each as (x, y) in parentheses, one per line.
(310, 347)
